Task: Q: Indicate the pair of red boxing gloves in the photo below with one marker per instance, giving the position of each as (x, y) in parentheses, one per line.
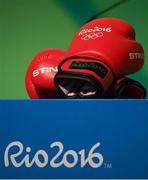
(100, 56)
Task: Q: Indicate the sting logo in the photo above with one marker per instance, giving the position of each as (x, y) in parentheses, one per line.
(44, 70)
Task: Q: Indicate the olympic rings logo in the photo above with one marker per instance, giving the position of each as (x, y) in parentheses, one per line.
(91, 36)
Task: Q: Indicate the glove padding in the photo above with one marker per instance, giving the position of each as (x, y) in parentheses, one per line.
(41, 72)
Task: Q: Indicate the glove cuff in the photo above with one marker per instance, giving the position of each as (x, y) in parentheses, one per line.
(80, 76)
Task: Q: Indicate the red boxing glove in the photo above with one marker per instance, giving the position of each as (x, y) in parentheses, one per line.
(101, 51)
(41, 72)
(126, 88)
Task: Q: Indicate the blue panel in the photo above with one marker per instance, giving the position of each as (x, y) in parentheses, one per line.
(120, 126)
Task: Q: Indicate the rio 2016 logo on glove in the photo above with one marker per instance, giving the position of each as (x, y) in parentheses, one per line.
(93, 33)
(12, 158)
